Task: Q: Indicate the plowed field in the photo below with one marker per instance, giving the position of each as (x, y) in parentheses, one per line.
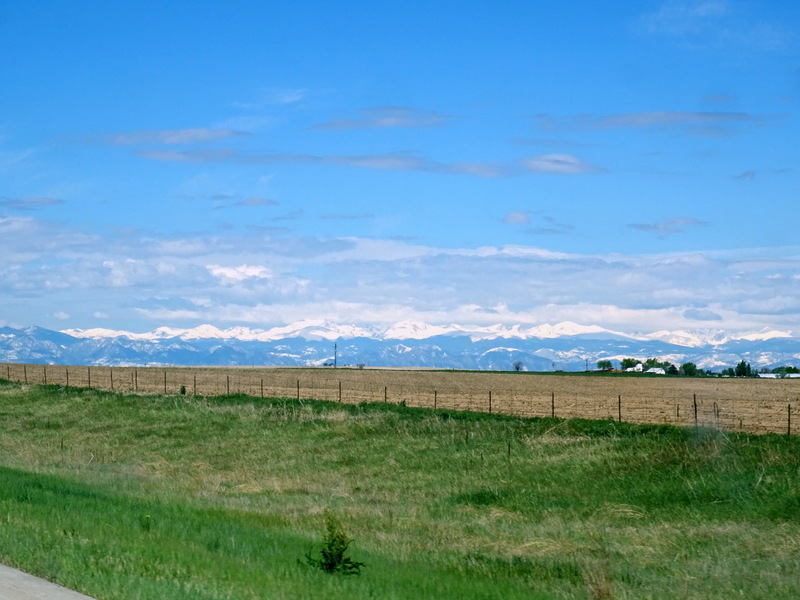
(751, 405)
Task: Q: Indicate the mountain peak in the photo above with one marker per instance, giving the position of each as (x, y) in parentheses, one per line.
(565, 345)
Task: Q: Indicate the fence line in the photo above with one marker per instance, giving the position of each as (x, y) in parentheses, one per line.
(734, 405)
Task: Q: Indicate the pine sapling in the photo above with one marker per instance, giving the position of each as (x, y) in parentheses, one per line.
(335, 544)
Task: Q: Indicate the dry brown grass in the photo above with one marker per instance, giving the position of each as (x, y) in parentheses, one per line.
(750, 405)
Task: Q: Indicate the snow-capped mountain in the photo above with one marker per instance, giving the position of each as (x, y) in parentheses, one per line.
(546, 347)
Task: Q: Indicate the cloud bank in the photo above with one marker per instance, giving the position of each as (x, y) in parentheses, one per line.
(269, 279)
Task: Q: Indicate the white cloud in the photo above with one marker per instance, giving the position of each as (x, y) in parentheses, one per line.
(240, 273)
(15, 225)
(699, 123)
(682, 16)
(249, 280)
(286, 95)
(717, 24)
(275, 97)
(172, 136)
(29, 203)
(702, 314)
(517, 217)
(386, 117)
(560, 164)
(257, 201)
(667, 227)
(381, 162)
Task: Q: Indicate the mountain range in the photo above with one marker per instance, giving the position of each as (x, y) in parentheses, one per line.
(563, 346)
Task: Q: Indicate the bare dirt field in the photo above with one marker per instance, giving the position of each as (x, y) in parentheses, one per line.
(751, 405)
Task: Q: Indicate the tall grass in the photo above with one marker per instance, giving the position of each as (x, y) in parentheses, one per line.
(125, 496)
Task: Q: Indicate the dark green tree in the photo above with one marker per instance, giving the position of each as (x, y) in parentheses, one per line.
(743, 369)
(689, 369)
(782, 371)
(651, 363)
(629, 363)
(604, 365)
(335, 544)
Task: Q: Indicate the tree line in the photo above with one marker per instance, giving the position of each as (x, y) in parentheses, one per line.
(690, 369)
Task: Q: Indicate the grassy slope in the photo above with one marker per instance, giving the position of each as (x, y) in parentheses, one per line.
(172, 497)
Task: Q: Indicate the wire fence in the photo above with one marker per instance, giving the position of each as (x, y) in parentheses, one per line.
(746, 405)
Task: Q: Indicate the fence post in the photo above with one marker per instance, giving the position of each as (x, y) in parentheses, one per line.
(136, 380)
(66, 369)
(340, 392)
(228, 385)
(434, 399)
(165, 381)
(111, 375)
(490, 401)
(44, 370)
(386, 393)
(89, 375)
(298, 390)
(194, 384)
(788, 419)
(619, 408)
(694, 404)
(552, 404)
(262, 387)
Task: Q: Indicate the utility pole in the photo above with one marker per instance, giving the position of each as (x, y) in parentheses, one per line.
(334, 354)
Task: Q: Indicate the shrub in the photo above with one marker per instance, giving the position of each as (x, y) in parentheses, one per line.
(335, 544)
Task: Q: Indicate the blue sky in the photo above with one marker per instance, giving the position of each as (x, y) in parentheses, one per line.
(632, 165)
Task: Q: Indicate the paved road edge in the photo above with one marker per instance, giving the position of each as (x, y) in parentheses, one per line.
(18, 585)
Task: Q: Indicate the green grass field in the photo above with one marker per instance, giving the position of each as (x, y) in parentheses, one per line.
(171, 497)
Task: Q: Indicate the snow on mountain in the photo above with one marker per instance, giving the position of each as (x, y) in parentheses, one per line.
(310, 329)
(690, 339)
(712, 337)
(97, 333)
(100, 333)
(561, 346)
(494, 332)
(204, 332)
(500, 349)
(765, 334)
(565, 328)
(415, 330)
(317, 329)
(320, 329)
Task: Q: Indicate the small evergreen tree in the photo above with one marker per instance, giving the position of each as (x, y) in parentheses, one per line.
(335, 544)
